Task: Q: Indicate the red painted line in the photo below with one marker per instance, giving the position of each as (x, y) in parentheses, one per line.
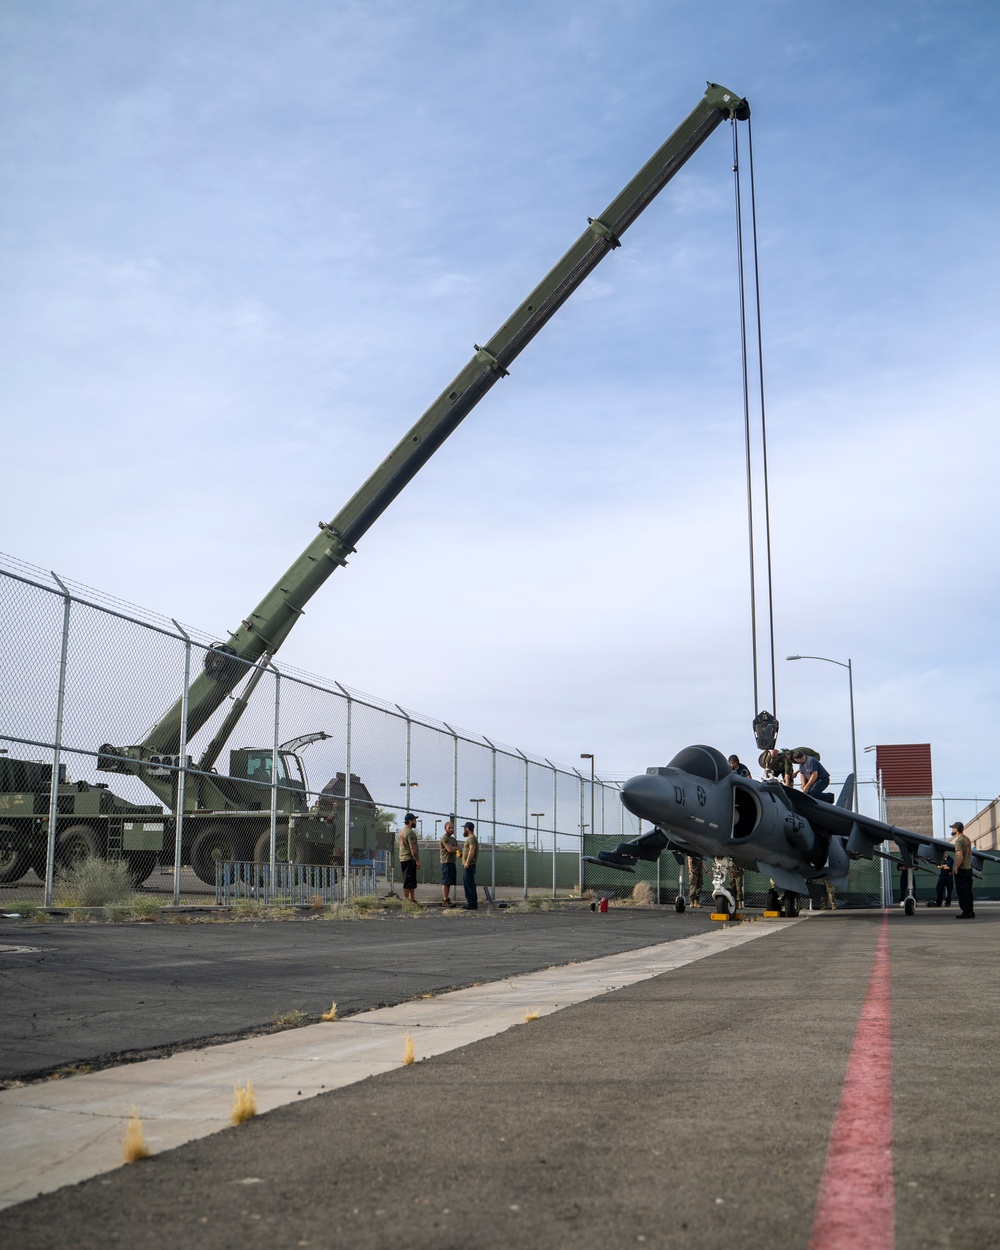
(856, 1207)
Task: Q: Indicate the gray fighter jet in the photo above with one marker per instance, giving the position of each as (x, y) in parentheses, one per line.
(700, 807)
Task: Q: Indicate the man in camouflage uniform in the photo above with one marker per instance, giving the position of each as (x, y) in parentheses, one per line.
(779, 766)
(696, 879)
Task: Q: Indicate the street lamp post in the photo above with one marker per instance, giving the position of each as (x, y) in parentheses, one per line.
(409, 787)
(850, 686)
(478, 803)
(537, 816)
(586, 755)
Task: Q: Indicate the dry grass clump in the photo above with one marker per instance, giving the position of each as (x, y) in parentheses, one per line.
(341, 911)
(331, 1014)
(138, 907)
(27, 909)
(244, 1103)
(254, 909)
(531, 1015)
(643, 895)
(409, 1055)
(134, 1145)
(410, 908)
(366, 902)
(291, 1019)
(536, 903)
(93, 882)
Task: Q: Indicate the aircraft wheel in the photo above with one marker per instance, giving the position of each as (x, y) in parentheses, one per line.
(772, 902)
(77, 843)
(721, 904)
(215, 844)
(909, 906)
(679, 903)
(790, 905)
(14, 857)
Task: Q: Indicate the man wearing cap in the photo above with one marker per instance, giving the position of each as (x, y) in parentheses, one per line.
(470, 853)
(963, 872)
(449, 855)
(409, 856)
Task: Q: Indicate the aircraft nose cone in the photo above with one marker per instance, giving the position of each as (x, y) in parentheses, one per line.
(643, 795)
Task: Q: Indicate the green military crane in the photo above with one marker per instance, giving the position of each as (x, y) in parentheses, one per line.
(224, 816)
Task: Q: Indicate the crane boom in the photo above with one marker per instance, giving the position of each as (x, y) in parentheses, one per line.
(268, 625)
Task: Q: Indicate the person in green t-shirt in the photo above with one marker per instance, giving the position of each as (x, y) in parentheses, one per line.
(449, 869)
(470, 853)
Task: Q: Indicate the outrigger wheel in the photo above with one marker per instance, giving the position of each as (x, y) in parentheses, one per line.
(679, 903)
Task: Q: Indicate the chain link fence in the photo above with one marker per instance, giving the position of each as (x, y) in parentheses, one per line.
(304, 771)
(308, 771)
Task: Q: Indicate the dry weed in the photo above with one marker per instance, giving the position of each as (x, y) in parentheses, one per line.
(244, 1103)
(409, 1055)
(134, 1145)
(642, 895)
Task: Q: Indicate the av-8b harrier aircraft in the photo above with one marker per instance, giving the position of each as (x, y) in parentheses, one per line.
(699, 806)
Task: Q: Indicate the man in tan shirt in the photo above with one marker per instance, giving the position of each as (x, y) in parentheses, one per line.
(449, 869)
(409, 856)
(470, 853)
(963, 872)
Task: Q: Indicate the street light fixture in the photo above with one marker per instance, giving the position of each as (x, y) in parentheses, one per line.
(586, 755)
(850, 686)
(537, 816)
(477, 802)
(408, 786)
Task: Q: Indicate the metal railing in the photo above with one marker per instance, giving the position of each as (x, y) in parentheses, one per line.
(292, 884)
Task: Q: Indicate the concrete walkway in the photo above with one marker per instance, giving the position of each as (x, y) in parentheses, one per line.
(56, 1133)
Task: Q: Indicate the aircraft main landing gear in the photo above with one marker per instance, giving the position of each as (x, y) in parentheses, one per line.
(909, 897)
(790, 904)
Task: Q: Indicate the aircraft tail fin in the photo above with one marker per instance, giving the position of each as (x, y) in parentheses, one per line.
(846, 797)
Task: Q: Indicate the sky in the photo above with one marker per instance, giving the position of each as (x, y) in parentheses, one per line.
(245, 245)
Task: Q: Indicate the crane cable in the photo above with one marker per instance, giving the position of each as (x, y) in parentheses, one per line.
(766, 721)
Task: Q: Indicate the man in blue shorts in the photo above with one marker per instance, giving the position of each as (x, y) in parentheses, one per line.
(449, 856)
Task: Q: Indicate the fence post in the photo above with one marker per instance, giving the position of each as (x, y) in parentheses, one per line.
(582, 826)
(181, 788)
(50, 850)
(347, 798)
(454, 775)
(555, 822)
(493, 808)
(527, 804)
(273, 857)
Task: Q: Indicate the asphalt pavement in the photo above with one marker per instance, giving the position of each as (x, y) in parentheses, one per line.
(691, 1108)
(86, 993)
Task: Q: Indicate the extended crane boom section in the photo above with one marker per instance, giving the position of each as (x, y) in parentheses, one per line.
(267, 626)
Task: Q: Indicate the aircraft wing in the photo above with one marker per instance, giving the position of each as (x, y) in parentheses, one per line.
(865, 833)
(626, 855)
